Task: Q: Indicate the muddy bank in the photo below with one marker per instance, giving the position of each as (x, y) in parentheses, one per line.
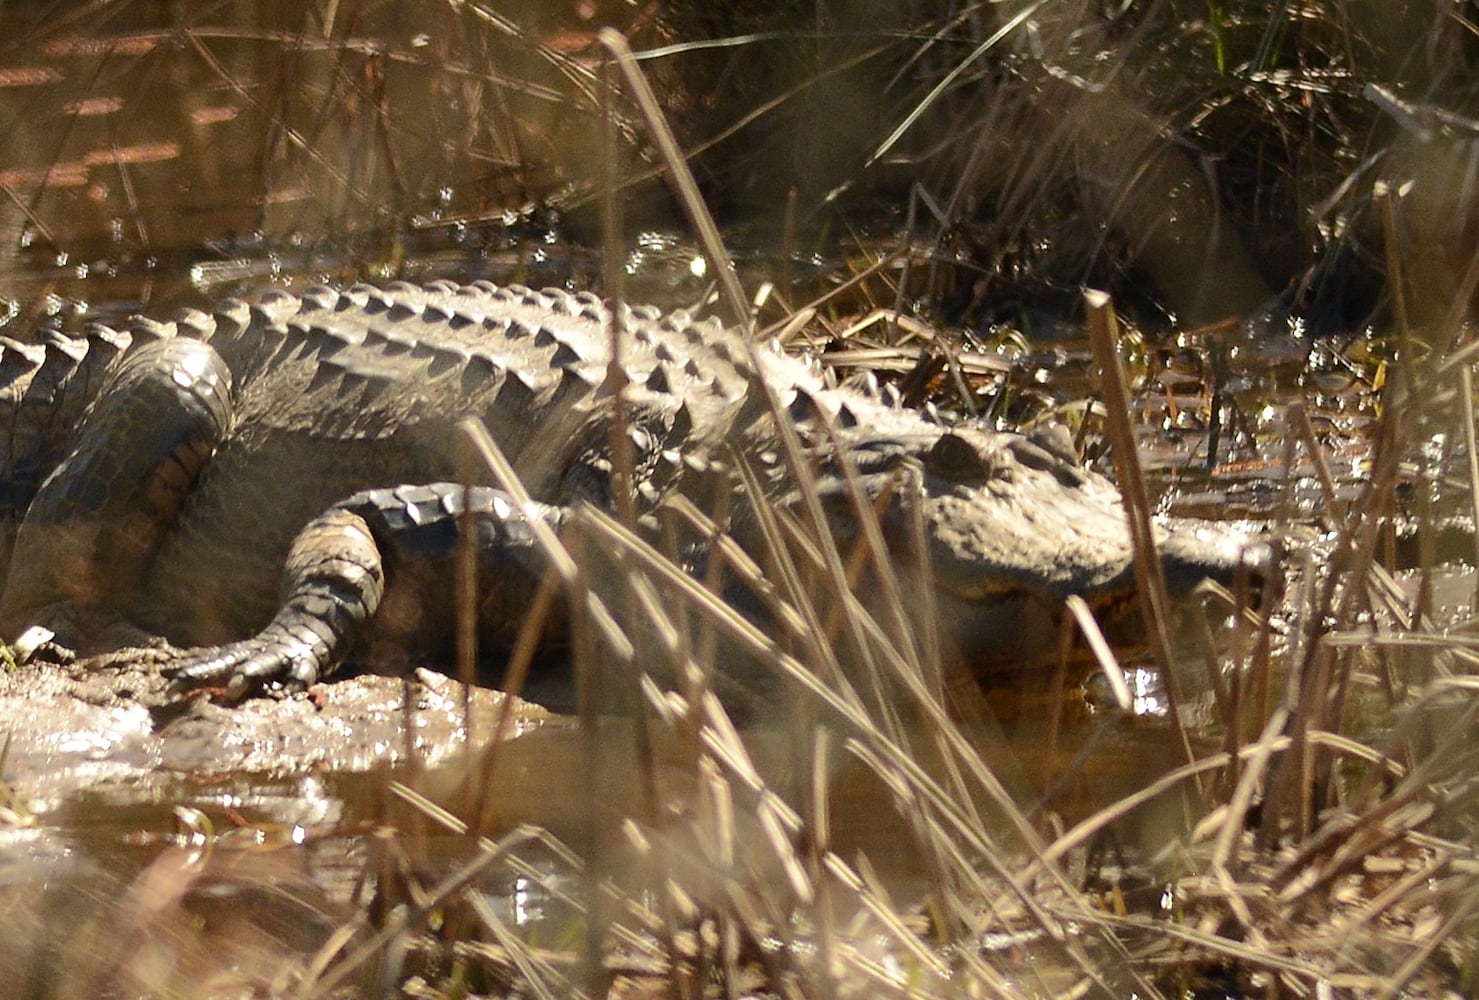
(71, 729)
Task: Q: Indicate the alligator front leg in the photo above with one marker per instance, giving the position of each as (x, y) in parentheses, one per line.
(376, 572)
(89, 535)
(334, 580)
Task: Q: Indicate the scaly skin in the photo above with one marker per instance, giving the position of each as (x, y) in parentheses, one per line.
(254, 484)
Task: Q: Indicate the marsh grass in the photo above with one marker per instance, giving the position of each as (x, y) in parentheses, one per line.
(1328, 850)
(1327, 841)
(1323, 853)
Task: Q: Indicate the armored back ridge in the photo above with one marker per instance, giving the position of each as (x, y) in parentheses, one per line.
(266, 485)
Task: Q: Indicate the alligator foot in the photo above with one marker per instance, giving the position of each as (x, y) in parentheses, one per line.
(232, 670)
(240, 669)
(333, 581)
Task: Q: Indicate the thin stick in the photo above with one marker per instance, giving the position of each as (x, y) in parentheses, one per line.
(1407, 363)
(1149, 579)
(1471, 447)
(616, 373)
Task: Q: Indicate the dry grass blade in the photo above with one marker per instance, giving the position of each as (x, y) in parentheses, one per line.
(1458, 918)
(946, 824)
(689, 197)
(1149, 579)
(1088, 627)
(786, 329)
(878, 904)
(1256, 955)
(1471, 454)
(1301, 419)
(993, 40)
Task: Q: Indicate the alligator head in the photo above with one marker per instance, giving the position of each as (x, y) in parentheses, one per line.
(1013, 525)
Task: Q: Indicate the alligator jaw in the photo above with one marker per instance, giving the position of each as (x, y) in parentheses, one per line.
(998, 631)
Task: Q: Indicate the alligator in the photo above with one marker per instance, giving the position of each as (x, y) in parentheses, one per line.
(261, 489)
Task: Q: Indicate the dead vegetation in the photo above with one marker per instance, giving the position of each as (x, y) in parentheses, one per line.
(1315, 833)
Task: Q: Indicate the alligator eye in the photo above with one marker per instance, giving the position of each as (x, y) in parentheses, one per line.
(1049, 450)
(1056, 441)
(956, 460)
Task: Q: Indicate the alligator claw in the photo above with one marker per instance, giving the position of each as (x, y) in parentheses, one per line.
(240, 671)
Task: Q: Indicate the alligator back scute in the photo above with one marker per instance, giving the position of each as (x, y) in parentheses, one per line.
(44, 390)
